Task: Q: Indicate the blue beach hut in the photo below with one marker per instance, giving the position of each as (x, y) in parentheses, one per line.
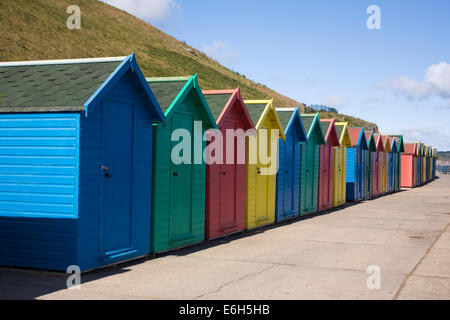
(355, 164)
(75, 162)
(288, 176)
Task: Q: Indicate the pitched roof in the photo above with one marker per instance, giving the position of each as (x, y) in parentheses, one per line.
(285, 115)
(308, 120)
(217, 102)
(386, 143)
(259, 110)
(329, 129)
(255, 110)
(311, 123)
(167, 89)
(410, 148)
(58, 85)
(399, 140)
(288, 117)
(342, 132)
(394, 147)
(357, 137)
(378, 142)
(370, 140)
(221, 102)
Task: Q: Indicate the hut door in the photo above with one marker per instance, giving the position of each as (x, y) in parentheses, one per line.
(327, 176)
(180, 218)
(117, 156)
(228, 196)
(289, 153)
(340, 173)
(310, 163)
(262, 187)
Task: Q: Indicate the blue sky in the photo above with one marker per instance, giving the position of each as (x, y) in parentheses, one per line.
(321, 52)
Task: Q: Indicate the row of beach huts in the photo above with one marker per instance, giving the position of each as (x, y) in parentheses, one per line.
(87, 175)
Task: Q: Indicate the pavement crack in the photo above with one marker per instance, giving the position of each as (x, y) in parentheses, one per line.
(233, 281)
(400, 289)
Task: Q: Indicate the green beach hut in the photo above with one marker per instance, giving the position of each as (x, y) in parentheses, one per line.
(401, 148)
(178, 192)
(309, 163)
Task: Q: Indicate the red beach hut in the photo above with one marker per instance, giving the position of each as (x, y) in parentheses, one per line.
(226, 178)
(408, 170)
(326, 165)
(377, 165)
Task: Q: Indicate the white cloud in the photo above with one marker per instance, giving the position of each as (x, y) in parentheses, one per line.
(221, 52)
(409, 88)
(438, 75)
(432, 137)
(149, 10)
(437, 82)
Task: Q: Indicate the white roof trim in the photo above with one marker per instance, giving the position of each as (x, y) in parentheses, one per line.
(65, 61)
(285, 109)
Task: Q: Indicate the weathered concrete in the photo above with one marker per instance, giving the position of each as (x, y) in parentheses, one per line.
(319, 257)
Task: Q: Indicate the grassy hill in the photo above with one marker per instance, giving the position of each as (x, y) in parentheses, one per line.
(35, 30)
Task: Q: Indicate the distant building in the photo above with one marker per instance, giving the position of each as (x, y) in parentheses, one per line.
(319, 107)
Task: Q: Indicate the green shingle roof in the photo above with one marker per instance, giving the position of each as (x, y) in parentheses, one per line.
(285, 116)
(307, 120)
(325, 125)
(255, 110)
(51, 87)
(339, 130)
(217, 102)
(166, 89)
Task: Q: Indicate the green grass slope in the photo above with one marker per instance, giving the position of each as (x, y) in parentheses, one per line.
(36, 29)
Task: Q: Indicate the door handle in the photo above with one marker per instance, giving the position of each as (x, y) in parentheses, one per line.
(108, 175)
(175, 174)
(105, 168)
(224, 173)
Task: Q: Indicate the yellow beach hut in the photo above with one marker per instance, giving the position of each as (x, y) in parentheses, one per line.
(340, 161)
(261, 173)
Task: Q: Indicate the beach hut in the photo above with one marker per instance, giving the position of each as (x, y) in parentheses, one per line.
(309, 163)
(226, 174)
(400, 149)
(326, 165)
(430, 150)
(75, 161)
(340, 163)
(392, 165)
(433, 175)
(385, 165)
(261, 174)
(377, 165)
(423, 163)
(408, 166)
(418, 164)
(288, 176)
(371, 154)
(178, 197)
(355, 161)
